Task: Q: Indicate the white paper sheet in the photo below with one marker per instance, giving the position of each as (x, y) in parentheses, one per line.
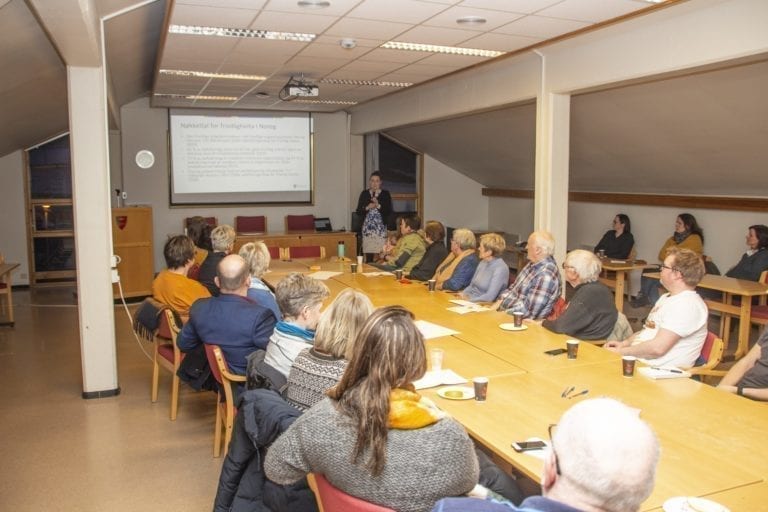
(377, 274)
(439, 378)
(322, 275)
(430, 330)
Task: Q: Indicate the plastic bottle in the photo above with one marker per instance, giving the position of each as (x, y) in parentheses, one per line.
(341, 248)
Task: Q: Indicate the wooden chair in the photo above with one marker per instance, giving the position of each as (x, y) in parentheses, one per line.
(245, 225)
(211, 221)
(167, 355)
(331, 499)
(276, 253)
(225, 404)
(299, 223)
(759, 313)
(308, 251)
(711, 356)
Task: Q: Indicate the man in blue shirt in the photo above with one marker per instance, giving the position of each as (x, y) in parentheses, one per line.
(232, 320)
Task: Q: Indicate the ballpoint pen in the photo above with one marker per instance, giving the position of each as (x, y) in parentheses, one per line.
(567, 391)
(670, 370)
(579, 394)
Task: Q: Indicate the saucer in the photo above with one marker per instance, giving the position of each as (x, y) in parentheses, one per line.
(511, 327)
(692, 504)
(456, 393)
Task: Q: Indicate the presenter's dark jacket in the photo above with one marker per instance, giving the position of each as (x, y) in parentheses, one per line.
(237, 324)
(385, 203)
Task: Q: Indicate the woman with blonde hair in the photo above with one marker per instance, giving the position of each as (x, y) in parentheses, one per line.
(374, 437)
(318, 368)
(256, 255)
(492, 274)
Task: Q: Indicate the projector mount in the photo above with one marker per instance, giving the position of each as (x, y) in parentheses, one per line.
(298, 87)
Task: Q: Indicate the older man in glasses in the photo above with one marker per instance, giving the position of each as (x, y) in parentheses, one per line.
(602, 458)
(677, 325)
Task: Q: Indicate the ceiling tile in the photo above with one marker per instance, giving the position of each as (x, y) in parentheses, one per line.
(234, 4)
(494, 18)
(337, 7)
(452, 62)
(436, 35)
(592, 10)
(201, 47)
(388, 55)
(521, 6)
(500, 42)
(211, 16)
(541, 27)
(333, 51)
(304, 23)
(352, 27)
(362, 42)
(401, 11)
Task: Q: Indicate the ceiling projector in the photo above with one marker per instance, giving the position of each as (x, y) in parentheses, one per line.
(298, 88)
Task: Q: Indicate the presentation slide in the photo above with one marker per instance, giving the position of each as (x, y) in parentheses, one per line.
(221, 157)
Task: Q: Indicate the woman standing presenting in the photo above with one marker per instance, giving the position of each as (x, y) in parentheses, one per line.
(375, 206)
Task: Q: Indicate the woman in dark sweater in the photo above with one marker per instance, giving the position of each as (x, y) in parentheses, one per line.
(617, 242)
(591, 313)
(434, 233)
(755, 260)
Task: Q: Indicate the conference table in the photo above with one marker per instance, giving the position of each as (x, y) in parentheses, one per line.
(711, 441)
(731, 288)
(621, 268)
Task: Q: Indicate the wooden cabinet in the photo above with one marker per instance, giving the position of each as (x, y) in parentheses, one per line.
(132, 242)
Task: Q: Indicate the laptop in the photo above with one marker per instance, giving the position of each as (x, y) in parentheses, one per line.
(323, 224)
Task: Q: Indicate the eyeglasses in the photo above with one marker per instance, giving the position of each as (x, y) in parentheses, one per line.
(551, 430)
(673, 269)
(566, 267)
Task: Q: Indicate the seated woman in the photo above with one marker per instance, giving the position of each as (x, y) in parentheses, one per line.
(755, 261)
(434, 234)
(320, 367)
(492, 274)
(256, 255)
(687, 235)
(617, 242)
(591, 313)
(374, 437)
(456, 270)
(300, 298)
(200, 232)
(410, 248)
(172, 286)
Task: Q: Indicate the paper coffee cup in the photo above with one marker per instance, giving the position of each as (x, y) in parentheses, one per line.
(481, 388)
(436, 359)
(628, 365)
(573, 348)
(431, 284)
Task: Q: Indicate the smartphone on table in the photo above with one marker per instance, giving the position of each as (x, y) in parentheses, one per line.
(525, 446)
(555, 351)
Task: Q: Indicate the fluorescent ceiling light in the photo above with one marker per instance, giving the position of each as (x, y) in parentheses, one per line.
(240, 32)
(196, 97)
(374, 83)
(313, 4)
(326, 102)
(451, 50)
(203, 74)
(471, 20)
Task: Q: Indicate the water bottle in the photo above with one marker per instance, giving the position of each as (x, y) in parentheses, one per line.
(340, 249)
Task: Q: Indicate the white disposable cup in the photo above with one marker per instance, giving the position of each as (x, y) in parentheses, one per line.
(359, 263)
(436, 359)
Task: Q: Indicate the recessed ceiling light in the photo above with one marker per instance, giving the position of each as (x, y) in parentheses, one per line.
(240, 32)
(203, 74)
(471, 20)
(313, 4)
(450, 50)
(374, 83)
(195, 97)
(326, 102)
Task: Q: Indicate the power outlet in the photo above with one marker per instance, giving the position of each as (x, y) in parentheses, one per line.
(115, 276)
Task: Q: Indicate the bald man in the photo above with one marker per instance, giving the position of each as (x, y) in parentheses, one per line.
(603, 458)
(232, 320)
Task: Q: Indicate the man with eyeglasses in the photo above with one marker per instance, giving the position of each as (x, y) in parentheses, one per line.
(676, 328)
(602, 457)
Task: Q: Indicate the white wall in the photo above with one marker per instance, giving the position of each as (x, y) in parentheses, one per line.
(146, 128)
(13, 230)
(510, 215)
(452, 198)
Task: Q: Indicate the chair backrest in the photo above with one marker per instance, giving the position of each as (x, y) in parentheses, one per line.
(331, 499)
(299, 222)
(212, 362)
(169, 325)
(250, 224)
(711, 352)
(307, 251)
(275, 253)
(194, 272)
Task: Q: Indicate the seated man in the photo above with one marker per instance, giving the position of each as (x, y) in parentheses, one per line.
(300, 298)
(231, 320)
(676, 328)
(456, 270)
(537, 287)
(222, 241)
(410, 248)
(602, 457)
(749, 376)
(172, 286)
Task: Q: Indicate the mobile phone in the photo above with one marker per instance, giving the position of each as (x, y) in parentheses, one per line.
(524, 446)
(555, 351)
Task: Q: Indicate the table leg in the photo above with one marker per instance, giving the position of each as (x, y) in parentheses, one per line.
(725, 322)
(620, 290)
(744, 325)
